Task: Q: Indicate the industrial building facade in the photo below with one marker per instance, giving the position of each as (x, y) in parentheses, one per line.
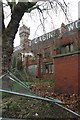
(55, 56)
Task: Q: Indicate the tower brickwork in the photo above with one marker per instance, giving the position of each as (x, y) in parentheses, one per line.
(24, 33)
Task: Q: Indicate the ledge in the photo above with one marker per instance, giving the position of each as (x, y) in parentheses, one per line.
(66, 54)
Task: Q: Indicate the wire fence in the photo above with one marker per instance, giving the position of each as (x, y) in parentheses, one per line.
(29, 93)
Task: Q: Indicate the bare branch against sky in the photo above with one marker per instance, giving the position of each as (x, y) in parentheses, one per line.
(43, 18)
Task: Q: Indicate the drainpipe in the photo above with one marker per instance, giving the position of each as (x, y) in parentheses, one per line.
(39, 64)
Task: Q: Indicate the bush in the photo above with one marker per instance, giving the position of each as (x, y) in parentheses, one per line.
(14, 62)
(6, 95)
(19, 65)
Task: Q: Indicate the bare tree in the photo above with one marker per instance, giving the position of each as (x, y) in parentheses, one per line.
(17, 12)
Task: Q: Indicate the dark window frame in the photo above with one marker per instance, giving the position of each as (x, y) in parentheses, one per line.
(63, 48)
(48, 68)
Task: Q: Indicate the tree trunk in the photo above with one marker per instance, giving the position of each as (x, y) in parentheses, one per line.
(9, 33)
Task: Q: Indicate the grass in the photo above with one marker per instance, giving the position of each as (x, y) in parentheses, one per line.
(26, 107)
(29, 83)
(6, 95)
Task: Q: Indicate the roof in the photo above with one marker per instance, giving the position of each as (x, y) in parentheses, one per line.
(17, 48)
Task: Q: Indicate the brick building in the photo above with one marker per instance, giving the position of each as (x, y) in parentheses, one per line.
(67, 59)
(56, 56)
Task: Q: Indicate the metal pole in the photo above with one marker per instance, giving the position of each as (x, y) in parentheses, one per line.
(3, 75)
(17, 79)
(32, 96)
(67, 109)
(55, 101)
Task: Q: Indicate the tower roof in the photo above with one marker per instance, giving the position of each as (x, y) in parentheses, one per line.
(24, 28)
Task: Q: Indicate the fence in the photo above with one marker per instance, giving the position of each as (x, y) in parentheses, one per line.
(29, 94)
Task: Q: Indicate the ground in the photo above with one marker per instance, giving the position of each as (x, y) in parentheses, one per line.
(23, 107)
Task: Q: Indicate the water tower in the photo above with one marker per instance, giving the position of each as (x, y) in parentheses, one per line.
(24, 33)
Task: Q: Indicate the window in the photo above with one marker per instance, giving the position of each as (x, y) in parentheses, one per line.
(66, 48)
(71, 47)
(47, 68)
(23, 56)
(50, 68)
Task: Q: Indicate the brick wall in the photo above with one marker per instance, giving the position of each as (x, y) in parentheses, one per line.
(68, 38)
(67, 74)
(41, 45)
(79, 73)
(47, 76)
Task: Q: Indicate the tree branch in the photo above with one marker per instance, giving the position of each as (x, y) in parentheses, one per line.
(3, 26)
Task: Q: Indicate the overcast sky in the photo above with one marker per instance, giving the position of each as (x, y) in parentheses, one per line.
(52, 22)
